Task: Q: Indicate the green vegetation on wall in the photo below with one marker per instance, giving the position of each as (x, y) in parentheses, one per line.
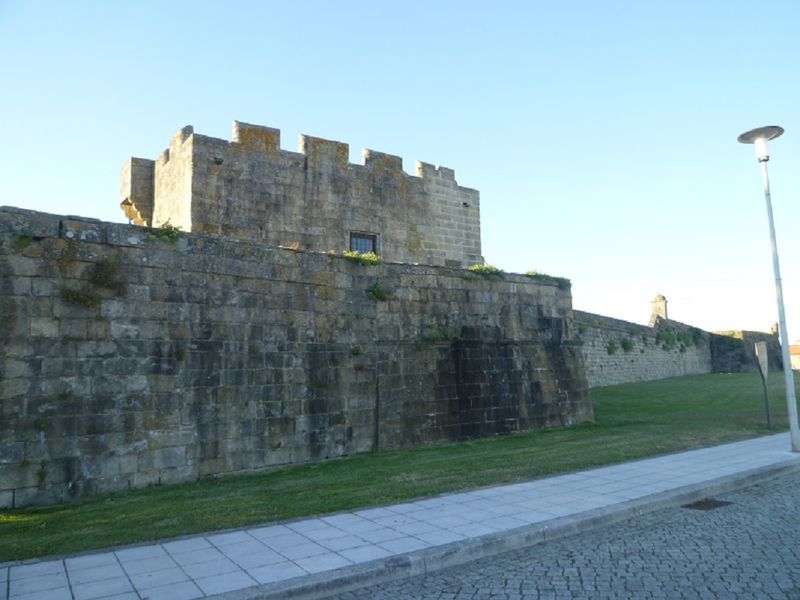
(362, 258)
(379, 293)
(562, 282)
(487, 271)
(166, 232)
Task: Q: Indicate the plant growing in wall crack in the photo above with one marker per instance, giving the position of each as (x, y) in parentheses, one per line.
(435, 335)
(20, 241)
(84, 297)
(666, 339)
(104, 275)
(627, 344)
(611, 347)
(379, 293)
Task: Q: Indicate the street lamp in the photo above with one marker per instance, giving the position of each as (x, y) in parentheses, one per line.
(760, 137)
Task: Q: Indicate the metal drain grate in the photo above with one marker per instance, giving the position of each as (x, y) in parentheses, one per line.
(706, 504)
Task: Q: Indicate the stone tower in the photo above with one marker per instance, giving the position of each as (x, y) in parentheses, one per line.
(315, 199)
(659, 310)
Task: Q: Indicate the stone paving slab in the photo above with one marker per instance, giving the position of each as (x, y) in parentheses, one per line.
(334, 553)
(747, 549)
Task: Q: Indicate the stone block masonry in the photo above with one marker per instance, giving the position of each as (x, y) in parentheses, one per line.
(617, 352)
(249, 188)
(131, 356)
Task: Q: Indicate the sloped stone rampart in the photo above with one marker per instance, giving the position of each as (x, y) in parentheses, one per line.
(133, 356)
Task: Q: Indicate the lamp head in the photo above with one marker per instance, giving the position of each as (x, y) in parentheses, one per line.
(759, 137)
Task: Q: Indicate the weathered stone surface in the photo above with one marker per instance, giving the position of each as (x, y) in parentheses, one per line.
(203, 355)
(616, 351)
(251, 189)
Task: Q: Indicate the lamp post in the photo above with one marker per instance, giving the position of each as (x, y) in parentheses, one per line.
(759, 137)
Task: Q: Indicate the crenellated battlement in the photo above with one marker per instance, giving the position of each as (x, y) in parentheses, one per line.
(267, 140)
(259, 139)
(251, 188)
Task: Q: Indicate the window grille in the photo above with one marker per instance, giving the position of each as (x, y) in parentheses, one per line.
(364, 242)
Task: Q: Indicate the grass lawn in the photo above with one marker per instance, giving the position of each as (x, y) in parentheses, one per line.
(631, 421)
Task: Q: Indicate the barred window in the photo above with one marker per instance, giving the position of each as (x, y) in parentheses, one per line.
(364, 242)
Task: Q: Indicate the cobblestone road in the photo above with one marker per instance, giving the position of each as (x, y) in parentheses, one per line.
(747, 549)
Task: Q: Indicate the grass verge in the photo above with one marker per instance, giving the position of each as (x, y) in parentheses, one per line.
(631, 421)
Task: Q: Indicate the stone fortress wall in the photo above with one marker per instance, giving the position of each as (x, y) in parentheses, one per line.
(134, 356)
(249, 188)
(617, 351)
(139, 355)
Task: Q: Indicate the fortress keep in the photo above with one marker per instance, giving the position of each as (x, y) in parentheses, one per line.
(251, 189)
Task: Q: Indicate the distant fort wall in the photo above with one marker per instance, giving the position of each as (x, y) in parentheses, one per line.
(135, 356)
(617, 351)
(249, 188)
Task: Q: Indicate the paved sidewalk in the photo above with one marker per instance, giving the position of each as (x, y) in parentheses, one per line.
(313, 557)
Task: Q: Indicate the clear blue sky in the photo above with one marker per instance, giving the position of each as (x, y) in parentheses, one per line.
(601, 135)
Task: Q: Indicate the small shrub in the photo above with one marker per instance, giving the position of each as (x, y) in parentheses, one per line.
(440, 334)
(320, 384)
(562, 282)
(362, 258)
(698, 337)
(85, 297)
(611, 347)
(627, 344)
(379, 293)
(166, 233)
(21, 241)
(731, 342)
(685, 338)
(105, 274)
(487, 271)
(667, 339)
